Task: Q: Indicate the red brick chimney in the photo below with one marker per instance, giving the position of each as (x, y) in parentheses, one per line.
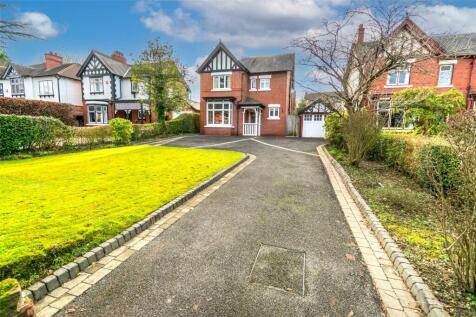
(52, 60)
(361, 34)
(118, 56)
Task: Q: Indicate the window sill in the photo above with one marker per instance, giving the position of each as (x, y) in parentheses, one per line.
(253, 90)
(397, 86)
(273, 118)
(265, 89)
(97, 93)
(218, 126)
(444, 86)
(47, 96)
(224, 89)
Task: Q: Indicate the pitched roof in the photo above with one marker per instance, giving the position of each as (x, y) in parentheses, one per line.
(114, 66)
(220, 47)
(268, 64)
(457, 44)
(39, 70)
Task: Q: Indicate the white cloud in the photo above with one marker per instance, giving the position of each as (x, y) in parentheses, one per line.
(445, 18)
(39, 24)
(245, 23)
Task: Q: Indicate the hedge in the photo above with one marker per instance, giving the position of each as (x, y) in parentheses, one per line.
(27, 134)
(30, 134)
(18, 106)
(416, 156)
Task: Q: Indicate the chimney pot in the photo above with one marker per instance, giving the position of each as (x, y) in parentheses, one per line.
(52, 60)
(118, 56)
(361, 34)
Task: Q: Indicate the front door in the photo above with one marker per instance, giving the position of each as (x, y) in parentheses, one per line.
(250, 122)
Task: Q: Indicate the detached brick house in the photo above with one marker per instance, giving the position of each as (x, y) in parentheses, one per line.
(108, 91)
(453, 66)
(250, 97)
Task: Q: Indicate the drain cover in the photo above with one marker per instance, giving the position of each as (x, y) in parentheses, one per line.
(279, 267)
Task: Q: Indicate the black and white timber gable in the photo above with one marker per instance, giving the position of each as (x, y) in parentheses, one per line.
(95, 68)
(316, 107)
(219, 60)
(12, 73)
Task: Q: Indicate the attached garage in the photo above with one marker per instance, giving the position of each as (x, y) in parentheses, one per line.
(312, 121)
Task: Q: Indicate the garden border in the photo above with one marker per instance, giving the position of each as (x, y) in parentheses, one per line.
(70, 270)
(423, 294)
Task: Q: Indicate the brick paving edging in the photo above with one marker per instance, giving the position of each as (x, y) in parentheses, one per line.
(423, 294)
(71, 270)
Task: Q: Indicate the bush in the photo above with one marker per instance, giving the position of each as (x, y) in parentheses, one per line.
(92, 135)
(185, 123)
(333, 126)
(27, 133)
(18, 106)
(360, 133)
(9, 296)
(121, 130)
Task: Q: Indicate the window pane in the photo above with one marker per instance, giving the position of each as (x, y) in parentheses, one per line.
(210, 117)
(392, 78)
(218, 117)
(445, 74)
(226, 117)
(402, 77)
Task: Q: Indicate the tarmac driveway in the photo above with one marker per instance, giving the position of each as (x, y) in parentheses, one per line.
(270, 242)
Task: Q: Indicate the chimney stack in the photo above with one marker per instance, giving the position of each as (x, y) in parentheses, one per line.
(361, 34)
(53, 60)
(118, 56)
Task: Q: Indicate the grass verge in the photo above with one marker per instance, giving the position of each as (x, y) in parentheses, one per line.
(405, 209)
(56, 207)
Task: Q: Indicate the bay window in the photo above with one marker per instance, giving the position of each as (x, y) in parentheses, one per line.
(445, 75)
(219, 113)
(222, 81)
(97, 114)
(398, 77)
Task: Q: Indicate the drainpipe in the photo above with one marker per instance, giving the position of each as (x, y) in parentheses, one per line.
(237, 111)
(468, 90)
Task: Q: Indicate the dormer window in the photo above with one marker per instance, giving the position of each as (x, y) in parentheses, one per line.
(221, 81)
(96, 85)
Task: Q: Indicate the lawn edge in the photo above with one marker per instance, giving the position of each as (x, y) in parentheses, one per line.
(419, 289)
(70, 270)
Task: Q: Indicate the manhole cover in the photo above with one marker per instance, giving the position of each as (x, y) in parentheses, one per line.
(279, 267)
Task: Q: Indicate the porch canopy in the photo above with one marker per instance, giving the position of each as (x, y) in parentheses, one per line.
(130, 106)
(250, 102)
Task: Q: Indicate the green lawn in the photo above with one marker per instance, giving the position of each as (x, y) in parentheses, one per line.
(55, 207)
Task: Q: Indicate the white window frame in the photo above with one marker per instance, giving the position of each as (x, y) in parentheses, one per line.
(398, 73)
(389, 112)
(264, 79)
(226, 106)
(450, 84)
(134, 86)
(96, 109)
(216, 81)
(273, 111)
(94, 86)
(46, 88)
(17, 86)
(253, 81)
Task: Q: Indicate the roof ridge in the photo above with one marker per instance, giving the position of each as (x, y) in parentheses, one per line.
(267, 56)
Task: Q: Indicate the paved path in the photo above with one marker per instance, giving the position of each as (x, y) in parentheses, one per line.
(201, 265)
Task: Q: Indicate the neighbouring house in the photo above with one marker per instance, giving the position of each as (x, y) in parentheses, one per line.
(108, 91)
(251, 97)
(191, 107)
(52, 80)
(453, 66)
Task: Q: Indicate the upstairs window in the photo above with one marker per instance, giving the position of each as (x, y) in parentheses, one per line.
(134, 86)
(222, 82)
(445, 76)
(398, 77)
(46, 88)
(18, 89)
(264, 83)
(253, 83)
(96, 85)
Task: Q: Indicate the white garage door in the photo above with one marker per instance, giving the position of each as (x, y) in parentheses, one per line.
(313, 126)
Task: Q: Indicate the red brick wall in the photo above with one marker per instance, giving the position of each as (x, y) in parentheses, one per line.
(425, 74)
(279, 94)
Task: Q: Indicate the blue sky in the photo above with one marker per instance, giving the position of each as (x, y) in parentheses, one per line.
(193, 27)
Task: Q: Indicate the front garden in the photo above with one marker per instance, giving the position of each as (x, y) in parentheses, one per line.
(56, 207)
(422, 187)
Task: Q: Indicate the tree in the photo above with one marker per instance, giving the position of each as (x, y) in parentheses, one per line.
(9, 31)
(426, 110)
(349, 65)
(162, 78)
